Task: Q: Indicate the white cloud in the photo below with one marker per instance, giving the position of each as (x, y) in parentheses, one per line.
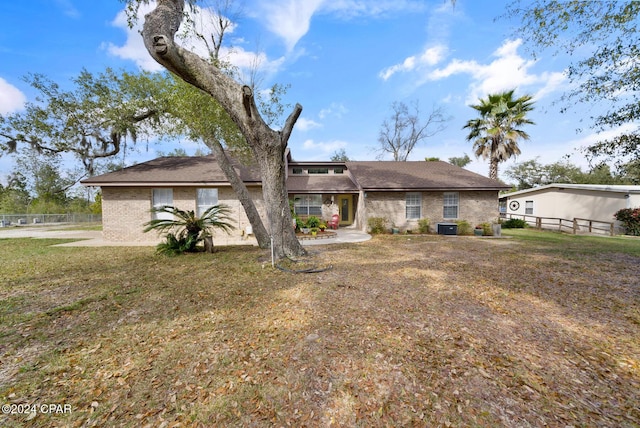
(11, 98)
(306, 124)
(205, 23)
(327, 147)
(595, 137)
(355, 8)
(290, 19)
(335, 109)
(134, 49)
(430, 57)
(68, 8)
(507, 71)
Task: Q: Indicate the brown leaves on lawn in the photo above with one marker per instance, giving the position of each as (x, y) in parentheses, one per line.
(401, 331)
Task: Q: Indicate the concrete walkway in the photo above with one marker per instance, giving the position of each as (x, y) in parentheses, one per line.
(343, 235)
(93, 238)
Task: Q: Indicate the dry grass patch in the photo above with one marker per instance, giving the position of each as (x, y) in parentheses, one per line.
(402, 331)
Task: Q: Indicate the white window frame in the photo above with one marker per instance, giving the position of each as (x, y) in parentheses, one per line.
(161, 197)
(206, 197)
(413, 205)
(308, 205)
(528, 207)
(451, 200)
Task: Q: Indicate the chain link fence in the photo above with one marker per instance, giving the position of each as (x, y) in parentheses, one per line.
(31, 219)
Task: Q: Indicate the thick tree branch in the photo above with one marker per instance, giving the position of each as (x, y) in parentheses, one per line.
(159, 31)
(290, 123)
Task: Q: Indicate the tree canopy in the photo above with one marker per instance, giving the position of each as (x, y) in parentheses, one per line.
(532, 173)
(94, 120)
(406, 128)
(460, 161)
(496, 132)
(602, 39)
(340, 156)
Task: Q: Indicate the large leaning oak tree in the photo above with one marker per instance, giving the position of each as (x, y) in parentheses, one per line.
(267, 145)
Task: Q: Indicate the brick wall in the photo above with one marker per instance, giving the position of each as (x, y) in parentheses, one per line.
(474, 206)
(125, 210)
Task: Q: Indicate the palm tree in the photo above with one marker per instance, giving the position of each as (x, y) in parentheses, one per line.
(497, 131)
(185, 229)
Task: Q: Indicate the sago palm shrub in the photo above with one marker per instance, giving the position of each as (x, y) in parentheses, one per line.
(185, 229)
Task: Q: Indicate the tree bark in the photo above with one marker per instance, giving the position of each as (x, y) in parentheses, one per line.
(267, 145)
(241, 191)
(493, 168)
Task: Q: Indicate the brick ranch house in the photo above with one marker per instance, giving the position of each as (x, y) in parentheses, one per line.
(401, 192)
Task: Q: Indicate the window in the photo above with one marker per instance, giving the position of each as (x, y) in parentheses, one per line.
(297, 171)
(450, 209)
(161, 197)
(307, 205)
(528, 207)
(338, 170)
(414, 205)
(205, 199)
(318, 170)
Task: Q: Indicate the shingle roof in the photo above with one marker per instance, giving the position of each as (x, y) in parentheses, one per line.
(321, 184)
(371, 176)
(175, 171)
(418, 175)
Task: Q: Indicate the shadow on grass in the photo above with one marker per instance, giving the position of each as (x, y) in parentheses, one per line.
(402, 331)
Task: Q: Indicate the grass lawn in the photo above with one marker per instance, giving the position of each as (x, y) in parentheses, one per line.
(539, 329)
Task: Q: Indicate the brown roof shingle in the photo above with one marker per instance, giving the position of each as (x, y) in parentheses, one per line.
(418, 175)
(177, 171)
(321, 184)
(368, 175)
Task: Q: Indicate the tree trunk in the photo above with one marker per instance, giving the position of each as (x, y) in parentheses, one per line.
(268, 146)
(262, 236)
(274, 191)
(208, 244)
(493, 168)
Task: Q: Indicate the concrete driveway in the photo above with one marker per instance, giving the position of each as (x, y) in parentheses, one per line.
(93, 238)
(85, 238)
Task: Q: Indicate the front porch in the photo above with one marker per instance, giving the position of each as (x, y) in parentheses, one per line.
(325, 206)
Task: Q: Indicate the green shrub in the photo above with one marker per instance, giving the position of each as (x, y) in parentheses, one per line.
(174, 246)
(377, 224)
(630, 218)
(464, 228)
(514, 223)
(487, 230)
(423, 225)
(312, 222)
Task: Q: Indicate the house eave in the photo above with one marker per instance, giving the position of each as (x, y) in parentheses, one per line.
(164, 184)
(433, 189)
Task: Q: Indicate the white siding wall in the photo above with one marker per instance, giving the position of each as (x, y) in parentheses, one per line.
(573, 203)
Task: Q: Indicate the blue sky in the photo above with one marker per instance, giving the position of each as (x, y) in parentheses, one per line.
(346, 61)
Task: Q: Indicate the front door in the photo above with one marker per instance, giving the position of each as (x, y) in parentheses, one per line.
(345, 207)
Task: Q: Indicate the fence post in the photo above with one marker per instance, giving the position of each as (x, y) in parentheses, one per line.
(575, 226)
(611, 228)
(539, 223)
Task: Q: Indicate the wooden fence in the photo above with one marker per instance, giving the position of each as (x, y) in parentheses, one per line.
(574, 225)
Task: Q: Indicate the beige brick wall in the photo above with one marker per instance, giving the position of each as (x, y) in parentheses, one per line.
(126, 210)
(475, 207)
